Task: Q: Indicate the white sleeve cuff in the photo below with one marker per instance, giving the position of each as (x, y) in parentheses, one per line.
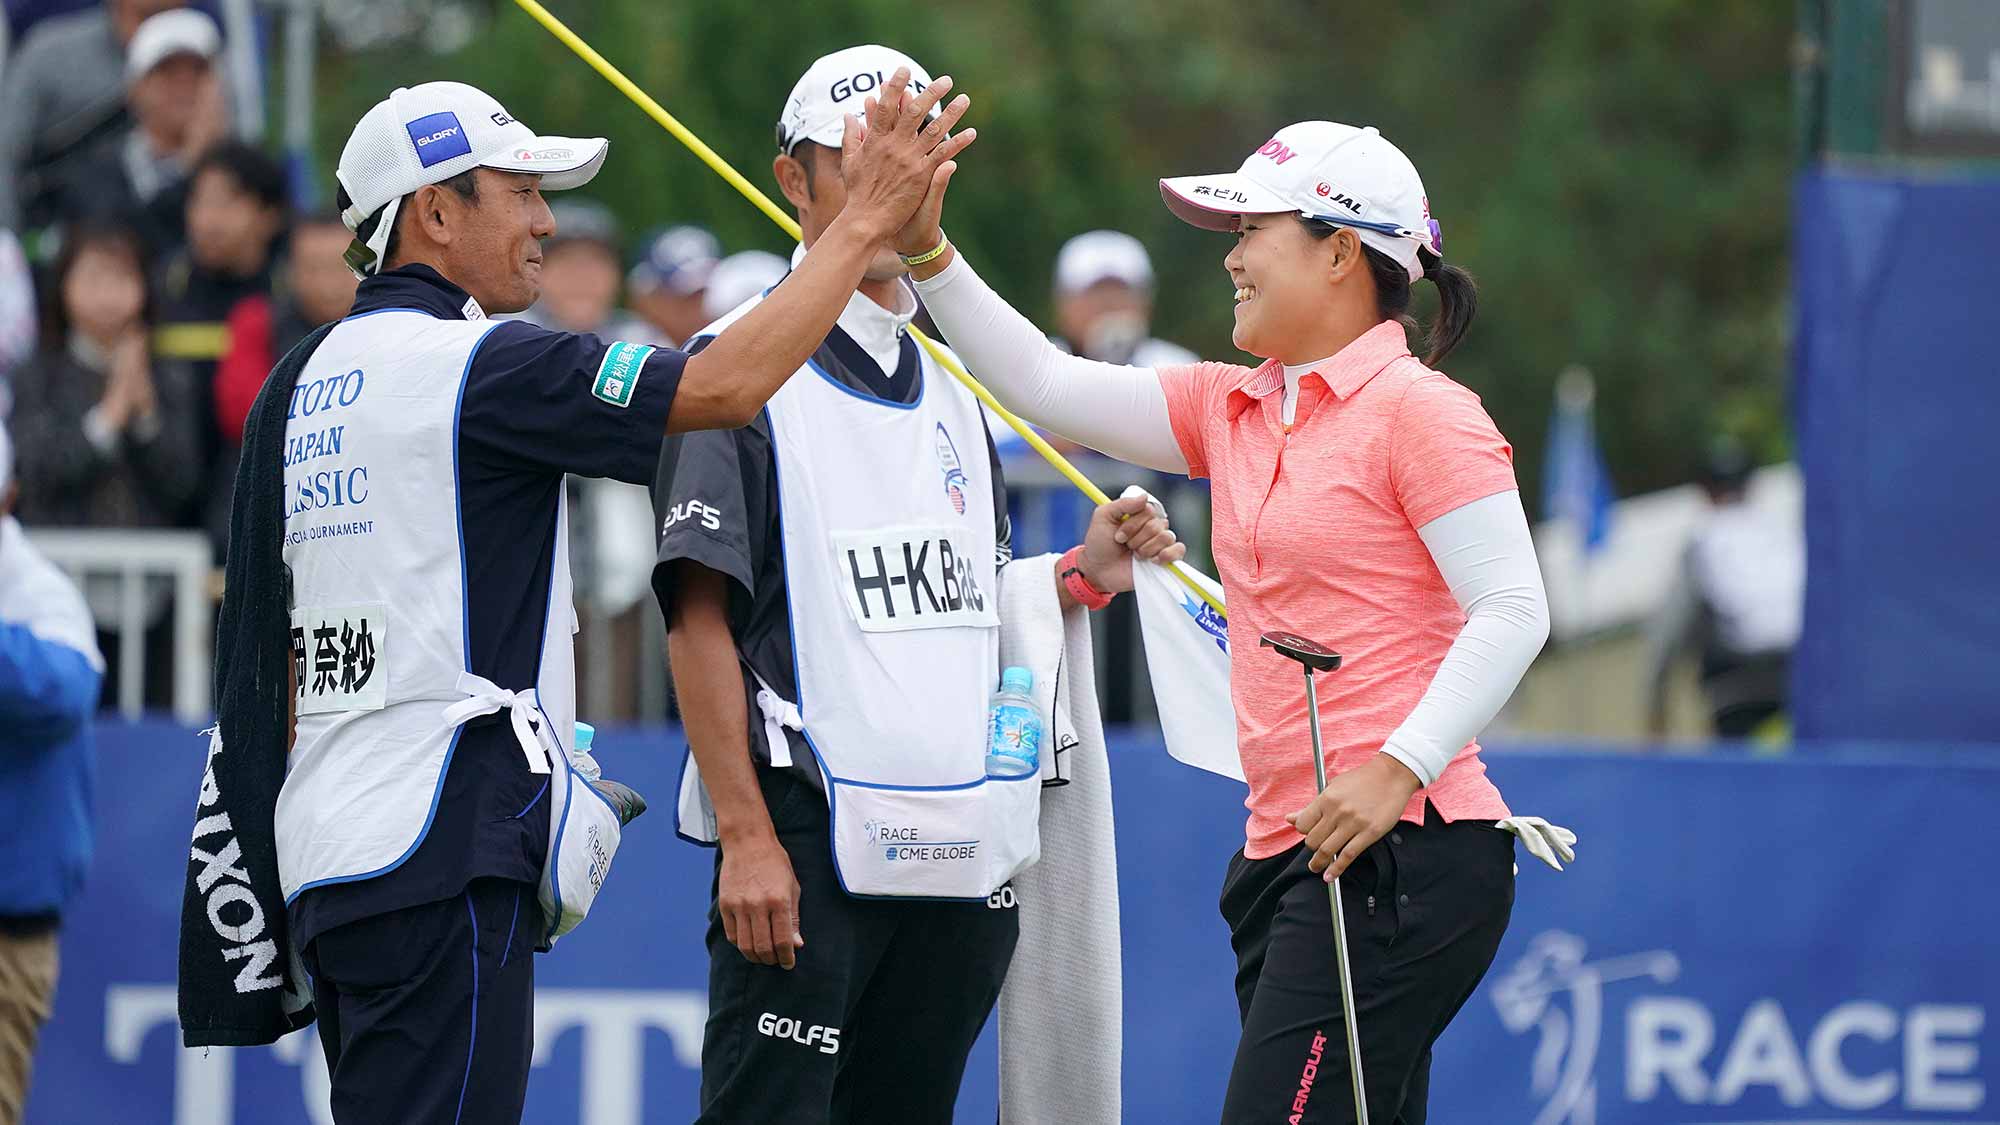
(940, 281)
(1426, 763)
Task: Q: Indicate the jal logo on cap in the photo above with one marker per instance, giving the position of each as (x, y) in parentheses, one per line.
(1333, 194)
(438, 137)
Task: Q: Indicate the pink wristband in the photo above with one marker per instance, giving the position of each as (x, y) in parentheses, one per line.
(1079, 587)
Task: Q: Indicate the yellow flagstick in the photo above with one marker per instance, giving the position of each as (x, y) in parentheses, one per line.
(790, 226)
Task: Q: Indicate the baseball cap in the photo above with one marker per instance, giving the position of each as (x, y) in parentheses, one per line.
(160, 37)
(836, 87)
(1102, 255)
(1324, 170)
(429, 133)
(678, 259)
(741, 276)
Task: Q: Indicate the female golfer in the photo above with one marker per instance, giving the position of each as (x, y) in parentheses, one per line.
(1366, 501)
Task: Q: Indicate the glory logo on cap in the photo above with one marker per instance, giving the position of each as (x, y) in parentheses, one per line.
(438, 137)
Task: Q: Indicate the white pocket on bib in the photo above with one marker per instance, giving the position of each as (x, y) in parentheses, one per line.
(934, 843)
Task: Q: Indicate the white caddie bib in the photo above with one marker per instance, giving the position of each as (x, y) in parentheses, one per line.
(893, 591)
(379, 625)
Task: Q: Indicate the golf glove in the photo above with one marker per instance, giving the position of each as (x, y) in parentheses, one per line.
(1551, 843)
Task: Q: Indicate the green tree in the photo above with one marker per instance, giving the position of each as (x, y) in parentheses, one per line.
(1616, 175)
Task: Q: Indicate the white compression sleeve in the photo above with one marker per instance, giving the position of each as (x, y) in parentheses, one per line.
(1487, 557)
(1112, 408)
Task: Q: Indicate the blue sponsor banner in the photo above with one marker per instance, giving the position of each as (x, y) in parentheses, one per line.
(1902, 631)
(1741, 940)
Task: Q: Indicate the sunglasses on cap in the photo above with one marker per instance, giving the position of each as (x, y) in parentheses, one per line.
(1432, 238)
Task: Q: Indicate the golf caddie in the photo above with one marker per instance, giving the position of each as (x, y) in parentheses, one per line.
(839, 588)
(389, 825)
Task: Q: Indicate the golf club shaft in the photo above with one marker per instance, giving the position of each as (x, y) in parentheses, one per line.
(1339, 925)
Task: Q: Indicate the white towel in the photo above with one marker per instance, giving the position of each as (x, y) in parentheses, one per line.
(1187, 655)
(1061, 1010)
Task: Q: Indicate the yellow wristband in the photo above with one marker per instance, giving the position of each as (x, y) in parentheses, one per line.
(931, 255)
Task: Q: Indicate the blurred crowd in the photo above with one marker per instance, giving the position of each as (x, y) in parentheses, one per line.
(153, 268)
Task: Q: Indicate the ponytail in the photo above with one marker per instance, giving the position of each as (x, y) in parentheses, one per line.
(1458, 300)
(1458, 297)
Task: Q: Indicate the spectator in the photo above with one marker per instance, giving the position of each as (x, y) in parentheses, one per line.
(668, 284)
(317, 288)
(580, 275)
(611, 522)
(107, 438)
(1738, 602)
(739, 277)
(1104, 301)
(174, 91)
(104, 442)
(235, 213)
(64, 99)
(49, 673)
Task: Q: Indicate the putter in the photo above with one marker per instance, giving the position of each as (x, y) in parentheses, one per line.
(1315, 657)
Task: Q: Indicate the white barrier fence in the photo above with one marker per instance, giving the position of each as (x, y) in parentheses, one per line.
(134, 558)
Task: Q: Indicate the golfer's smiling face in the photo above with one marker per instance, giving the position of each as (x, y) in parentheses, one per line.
(1281, 276)
(500, 259)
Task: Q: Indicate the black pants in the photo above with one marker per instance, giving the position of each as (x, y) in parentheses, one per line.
(875, 1022)
(1425, 911)
(427, 1014)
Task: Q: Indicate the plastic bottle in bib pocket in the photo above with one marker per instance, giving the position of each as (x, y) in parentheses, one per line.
(1014, 730)
(580, 756)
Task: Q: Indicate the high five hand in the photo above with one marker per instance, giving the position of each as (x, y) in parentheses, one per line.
(896, 160)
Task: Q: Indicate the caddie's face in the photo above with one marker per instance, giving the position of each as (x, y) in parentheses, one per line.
(498, 241)
(818, 207)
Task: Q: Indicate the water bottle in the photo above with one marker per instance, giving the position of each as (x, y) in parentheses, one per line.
(1014, 729)
(579, 755)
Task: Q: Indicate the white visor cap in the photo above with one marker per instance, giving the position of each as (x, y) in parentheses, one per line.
(429, 133)
(836, 87)
(182, 31)
(1337, 173)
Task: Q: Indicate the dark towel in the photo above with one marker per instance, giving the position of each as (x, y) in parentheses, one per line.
(241, 984)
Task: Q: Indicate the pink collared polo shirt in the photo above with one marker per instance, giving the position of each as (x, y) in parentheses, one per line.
(1316, 533)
